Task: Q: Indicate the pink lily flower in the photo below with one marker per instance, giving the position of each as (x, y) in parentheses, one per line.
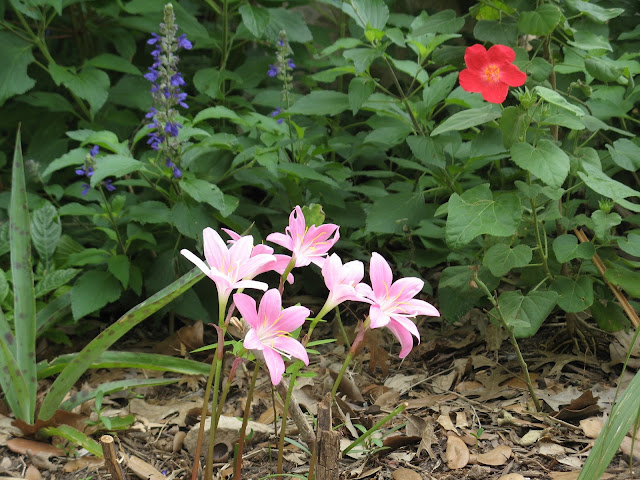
(270, 328)
(278, 265)
(343, 281)
(232, 267)
(392, 303)
(308, 244)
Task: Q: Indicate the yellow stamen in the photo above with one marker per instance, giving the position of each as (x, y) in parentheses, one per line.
(492, 73)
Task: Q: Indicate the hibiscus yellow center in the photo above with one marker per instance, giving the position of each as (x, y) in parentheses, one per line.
(492, 73)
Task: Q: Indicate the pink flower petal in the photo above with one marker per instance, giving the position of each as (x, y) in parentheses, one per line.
(247, 308)
(281, 239)
(275, 364)
(404, 337)
(251, 341)
(292, 347)
(215, 250)
(380, 274)
(420, 307)
(289, 319)
(195, 260)
(378, 317)
(406, 288)
(270, 308)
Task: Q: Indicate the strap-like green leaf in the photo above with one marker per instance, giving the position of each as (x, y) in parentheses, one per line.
(21, 270)
(108, 337)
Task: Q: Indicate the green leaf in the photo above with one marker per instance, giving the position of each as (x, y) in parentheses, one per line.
(476, 212)
(445, 21)
(74, 370)
(525, 314)
(321, 102)
(291, 22)
(501, 258)
(74, 157)
(24, 306)
(601, 69)
(610, 317)
(513, 123)
(87, 256)
(392, 213)
(594, 11)
(76, 437)
(149, 212)
(12, 381)
(305, 172)
(4, 287)
(626, 154)
(504, 32)
(114, 166)
(203, 191)
(46, 230)
(601, 183)
(555, 98)
(425, 150)
(54, 310)
(92, 291)
(621, 277)
(542, 21)
(109, 61)
(588, 41)
(566, 248)
(456, 296)
(190, 220)
(360, 89)
(468, 118)
(54, 280)
(54, 102)
(15, 58)
(255, 18)
(90, 84)
(119, 266)
(631, 244)
(372, 13)
(217, 112)
(546, 161)
(573, 295)
(362, 58)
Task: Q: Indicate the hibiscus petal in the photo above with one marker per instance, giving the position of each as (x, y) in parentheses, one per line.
(476, 57)
(275, 364)
(404, 337)
(292, 347)
(195, 260)
(290, 318)
(495, 92)
(247, 308)
(215, 250)
(501, 55)
(380, 274)
(512, 75)
(471, 81)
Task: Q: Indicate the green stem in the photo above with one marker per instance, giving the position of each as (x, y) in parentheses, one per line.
(352, 351)
(416, 125)
(237, 467)
(285, 274)
(208, 472)
(375, 428)
(285, 414)
(107, 208)
(543, 252)
(512, 339)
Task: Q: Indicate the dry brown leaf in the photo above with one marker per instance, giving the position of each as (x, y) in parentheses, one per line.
(496, 457)
(32, 473)
(564, 475)
(368, 473)
(551, 449)
(444, 382)
(348, 388)
(592, 426)
(428, 401)
(469, 387)
(143, 470)
(406, 474)
(388, 399)
(159, 414)
(457, 453)
(512, 476)
(531, 437)
(82, 462)
(461, 420)
(23, 445)
(445, 422)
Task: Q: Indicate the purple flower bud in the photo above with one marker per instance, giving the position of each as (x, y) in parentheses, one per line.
(152, 76)
(290, 64)
(172, 128)
(85, 188)
(277, 112)
(177, 80)
(176, 172)
(281, 42)
(151, 114)
(184, 43)
(80, 172)
(108, 186)
(89, 171)
(154, 39)
(273, 71)
(94, 150)
(169, 163)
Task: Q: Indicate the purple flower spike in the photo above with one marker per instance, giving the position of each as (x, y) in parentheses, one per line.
(154, 39)
(153, 75)
(184, 43)
(273, 71)
(177, 80)
(80, 172)
(94, 150)
(108, 186)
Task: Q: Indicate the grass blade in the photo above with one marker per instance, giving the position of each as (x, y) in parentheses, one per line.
(108, 337)
(76, 437)
(111, 387)
(111, 359)
(55, 310)
(22, 274)
(11, 380)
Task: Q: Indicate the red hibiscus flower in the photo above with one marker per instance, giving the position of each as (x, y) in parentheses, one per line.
(491, 72)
